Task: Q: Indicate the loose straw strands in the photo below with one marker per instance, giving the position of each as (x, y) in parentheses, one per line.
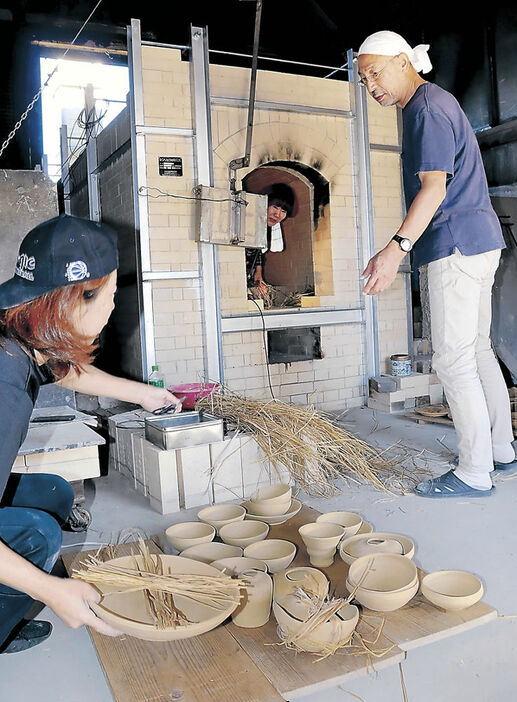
(215, 591)
(306, 442)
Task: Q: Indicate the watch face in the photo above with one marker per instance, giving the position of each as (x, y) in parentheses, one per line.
(405, 244)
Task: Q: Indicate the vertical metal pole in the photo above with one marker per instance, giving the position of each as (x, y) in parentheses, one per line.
(141, 210)
(200, 83)
(65, 166)
(363, 180)
(91, 154)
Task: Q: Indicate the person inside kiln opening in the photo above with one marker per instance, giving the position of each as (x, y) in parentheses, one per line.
(280, 206)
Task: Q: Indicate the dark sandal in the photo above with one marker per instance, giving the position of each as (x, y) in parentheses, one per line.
(449, 485)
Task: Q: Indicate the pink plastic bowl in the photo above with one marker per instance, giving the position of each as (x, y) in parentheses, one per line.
(193, 392)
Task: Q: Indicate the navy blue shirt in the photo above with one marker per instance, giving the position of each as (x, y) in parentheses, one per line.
(20, 381)
(437, 136)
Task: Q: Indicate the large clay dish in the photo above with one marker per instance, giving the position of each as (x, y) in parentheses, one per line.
(274, 519)
(128, 612)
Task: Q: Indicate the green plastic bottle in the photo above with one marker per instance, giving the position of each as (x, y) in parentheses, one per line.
(156, 378)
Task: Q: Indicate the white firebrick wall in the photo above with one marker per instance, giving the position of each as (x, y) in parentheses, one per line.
(320, 141)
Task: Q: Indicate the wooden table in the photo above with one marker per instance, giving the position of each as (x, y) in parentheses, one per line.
(231, 664)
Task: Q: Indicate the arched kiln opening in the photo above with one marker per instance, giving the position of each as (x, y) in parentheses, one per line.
(302, 270)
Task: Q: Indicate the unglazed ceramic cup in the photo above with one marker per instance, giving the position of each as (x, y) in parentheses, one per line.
(452, 589)
(271, 500)
(243, 533)
(276, 553)
(255, 607)
(186, 534)
(350, 521)
(321, 540)
(219, 515)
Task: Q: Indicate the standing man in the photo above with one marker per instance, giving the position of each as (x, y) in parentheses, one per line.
(453, 230)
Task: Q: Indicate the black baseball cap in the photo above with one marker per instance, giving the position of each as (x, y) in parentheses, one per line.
(61, 251)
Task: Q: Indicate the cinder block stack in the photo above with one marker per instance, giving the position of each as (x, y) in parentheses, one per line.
(410, 391)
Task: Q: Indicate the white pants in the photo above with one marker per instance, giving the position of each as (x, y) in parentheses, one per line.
(460, 296)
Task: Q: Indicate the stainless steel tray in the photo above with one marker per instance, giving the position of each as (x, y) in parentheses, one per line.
(183, 430)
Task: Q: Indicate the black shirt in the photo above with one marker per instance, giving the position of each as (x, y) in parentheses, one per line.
(20, 381)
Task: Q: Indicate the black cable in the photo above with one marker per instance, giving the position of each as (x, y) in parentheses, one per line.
(265, 348)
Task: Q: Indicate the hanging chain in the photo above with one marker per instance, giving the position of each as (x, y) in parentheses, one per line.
(37, 96)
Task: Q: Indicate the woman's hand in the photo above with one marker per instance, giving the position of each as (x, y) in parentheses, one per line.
(70, 599)
(154, 398)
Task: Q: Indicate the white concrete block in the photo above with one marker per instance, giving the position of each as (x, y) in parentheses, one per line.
(72, 470)
(162, 478)
(138, 464)
(194, 475)
(67, 455)
(256, 470)
(227, 469)
(436, 394)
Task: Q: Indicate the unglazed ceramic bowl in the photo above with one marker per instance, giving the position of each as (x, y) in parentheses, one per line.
(243, 533)
(383, 572)
(219, 515)
(452, 589)
(271, 500)
(129, 612)
(295, 507)
(186, 534)
(311, 580)
(387, 601)
(336, 629)
(350, 548)
(350, 521)
(276, 553)
(206, 553)
(236, 566)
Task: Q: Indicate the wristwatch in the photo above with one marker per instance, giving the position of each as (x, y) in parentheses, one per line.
(405, 244)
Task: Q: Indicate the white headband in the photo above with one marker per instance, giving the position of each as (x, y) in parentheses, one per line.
(392, 44)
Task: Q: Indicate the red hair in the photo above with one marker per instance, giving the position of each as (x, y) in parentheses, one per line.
(45, 325)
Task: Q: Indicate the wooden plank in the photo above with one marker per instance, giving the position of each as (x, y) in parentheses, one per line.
(295, 674)
(207, 668)
(432, 420)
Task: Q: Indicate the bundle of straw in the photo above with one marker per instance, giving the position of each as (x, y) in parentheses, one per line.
(306, 442)
(160, 588)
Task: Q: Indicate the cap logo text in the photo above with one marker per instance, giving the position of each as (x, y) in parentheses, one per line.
(24, 266)
(76, 270)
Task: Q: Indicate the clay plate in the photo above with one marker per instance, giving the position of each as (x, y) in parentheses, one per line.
(128, 613)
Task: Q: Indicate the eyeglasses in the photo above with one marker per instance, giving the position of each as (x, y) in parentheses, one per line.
(373, 76)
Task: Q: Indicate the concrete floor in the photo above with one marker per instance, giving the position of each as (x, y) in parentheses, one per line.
(476, 535)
